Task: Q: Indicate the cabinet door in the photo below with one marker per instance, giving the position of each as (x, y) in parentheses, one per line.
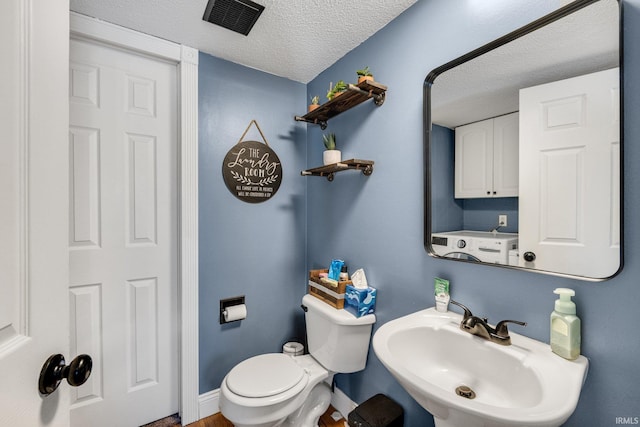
(505, 156)
(474, 160)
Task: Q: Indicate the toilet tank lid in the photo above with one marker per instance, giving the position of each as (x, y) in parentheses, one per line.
(337, 316)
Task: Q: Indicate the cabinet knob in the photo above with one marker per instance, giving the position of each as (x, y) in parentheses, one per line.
(529, 256)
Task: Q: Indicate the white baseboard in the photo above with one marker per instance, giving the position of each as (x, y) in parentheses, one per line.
(342, 402)
(209, 403)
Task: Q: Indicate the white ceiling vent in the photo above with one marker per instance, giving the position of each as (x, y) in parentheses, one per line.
(235, 15)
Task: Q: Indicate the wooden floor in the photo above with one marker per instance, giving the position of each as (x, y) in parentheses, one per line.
(217, 420)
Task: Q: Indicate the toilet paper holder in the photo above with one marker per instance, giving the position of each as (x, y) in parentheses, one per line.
(229, 302)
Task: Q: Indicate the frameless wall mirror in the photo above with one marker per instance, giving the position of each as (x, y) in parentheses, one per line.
(523, 146)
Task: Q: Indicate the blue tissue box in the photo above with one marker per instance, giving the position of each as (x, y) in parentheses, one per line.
(360, 302)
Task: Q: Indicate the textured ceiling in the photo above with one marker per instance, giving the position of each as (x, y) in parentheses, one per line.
(583, 42)
(296, 39)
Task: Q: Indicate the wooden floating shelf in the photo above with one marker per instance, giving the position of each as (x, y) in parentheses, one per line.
(354, 95)
(366, 166)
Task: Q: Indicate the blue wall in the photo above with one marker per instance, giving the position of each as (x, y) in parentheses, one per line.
(376, 222)
(482, 214)
(447, 213)
(246, 249)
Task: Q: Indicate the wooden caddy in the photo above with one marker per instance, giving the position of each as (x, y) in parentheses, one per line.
(328, 294)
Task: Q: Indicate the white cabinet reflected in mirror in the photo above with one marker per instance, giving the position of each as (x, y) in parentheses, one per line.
(523, 148)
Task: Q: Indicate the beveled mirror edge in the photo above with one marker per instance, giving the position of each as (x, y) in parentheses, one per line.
(427, 130)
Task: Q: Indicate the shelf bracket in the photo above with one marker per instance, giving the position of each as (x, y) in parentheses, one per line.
(322, 123)
(329, 171)
(378, 99)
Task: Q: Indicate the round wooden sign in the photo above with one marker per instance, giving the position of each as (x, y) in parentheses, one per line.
(252, 171)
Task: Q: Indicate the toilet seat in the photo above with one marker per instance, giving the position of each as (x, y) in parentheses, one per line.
(266, 375)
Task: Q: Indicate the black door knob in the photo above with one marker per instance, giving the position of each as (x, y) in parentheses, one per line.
(54, 371)
(529, 256)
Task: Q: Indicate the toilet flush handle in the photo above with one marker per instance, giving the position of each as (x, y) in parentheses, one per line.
(304, 307)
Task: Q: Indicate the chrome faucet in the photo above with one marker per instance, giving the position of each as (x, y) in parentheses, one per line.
(479, 327)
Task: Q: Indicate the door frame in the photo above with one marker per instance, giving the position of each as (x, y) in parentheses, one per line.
(186, 60)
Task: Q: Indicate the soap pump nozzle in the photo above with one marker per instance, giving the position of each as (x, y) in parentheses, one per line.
(564, 304)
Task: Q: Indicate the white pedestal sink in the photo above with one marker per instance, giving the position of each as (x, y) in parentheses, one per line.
(523, 384)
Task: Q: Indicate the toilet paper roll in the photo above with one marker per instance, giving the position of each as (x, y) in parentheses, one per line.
(293, 348)
(235, 312)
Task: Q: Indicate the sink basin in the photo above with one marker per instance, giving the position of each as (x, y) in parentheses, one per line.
(466, 381)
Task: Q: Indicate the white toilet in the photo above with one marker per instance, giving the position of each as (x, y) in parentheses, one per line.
(276, 389)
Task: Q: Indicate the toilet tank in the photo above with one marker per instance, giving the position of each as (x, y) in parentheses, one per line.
(336, 338)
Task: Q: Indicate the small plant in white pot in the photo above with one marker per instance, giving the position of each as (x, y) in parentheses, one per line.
(330, 155)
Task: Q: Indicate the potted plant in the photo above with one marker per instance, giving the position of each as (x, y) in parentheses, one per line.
(330, 155)
(364, 74)
(336, 89)
(339, 88)
(330, 92)
(314, 103)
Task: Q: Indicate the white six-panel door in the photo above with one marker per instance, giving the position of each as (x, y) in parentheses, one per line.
(123, 234)
(569, 210)
(33, 208)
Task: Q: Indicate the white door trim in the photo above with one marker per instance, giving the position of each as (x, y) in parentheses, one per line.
(186, 59)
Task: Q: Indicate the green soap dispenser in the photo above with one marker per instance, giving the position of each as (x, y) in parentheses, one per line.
(565, 326)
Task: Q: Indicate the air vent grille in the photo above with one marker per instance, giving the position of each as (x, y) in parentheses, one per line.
(235, 15)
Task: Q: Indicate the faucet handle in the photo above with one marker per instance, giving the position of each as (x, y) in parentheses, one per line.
(501, 327)
(467, 312)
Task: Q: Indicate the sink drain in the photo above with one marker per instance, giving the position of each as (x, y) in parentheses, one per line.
(465, 392)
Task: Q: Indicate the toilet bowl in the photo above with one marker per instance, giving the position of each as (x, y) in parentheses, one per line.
(274, 389)
(265, 390)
